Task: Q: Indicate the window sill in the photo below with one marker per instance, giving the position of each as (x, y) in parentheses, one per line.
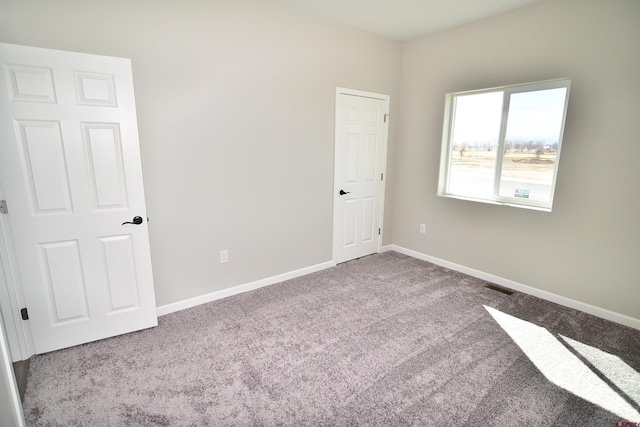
(498, 202)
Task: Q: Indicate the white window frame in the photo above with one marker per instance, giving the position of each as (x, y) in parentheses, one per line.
(445, 158)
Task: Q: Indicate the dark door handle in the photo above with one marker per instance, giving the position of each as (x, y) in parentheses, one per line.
(136, 221)
(342, 192)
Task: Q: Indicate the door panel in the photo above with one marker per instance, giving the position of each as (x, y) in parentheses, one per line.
(43, 158)
(368, 218)
(62, 268)
(359, 164)
(104, 147)
(29, 83)
(121, 273)
(96, 89)
(349, 223)
(371, 157)
(70, 168)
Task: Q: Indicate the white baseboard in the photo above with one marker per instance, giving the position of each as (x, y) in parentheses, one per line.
(549, 296)
(567, 302)
(213, 296)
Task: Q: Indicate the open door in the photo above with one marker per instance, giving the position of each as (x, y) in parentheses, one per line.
(71, 173)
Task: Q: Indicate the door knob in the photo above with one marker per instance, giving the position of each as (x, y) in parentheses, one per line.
(342, 192)
(136, 221)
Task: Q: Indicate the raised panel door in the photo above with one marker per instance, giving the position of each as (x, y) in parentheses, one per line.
(71, 173)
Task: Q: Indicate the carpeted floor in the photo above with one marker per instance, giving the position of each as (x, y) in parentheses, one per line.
(386, 340)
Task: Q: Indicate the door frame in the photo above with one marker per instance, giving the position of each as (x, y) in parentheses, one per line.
(387, 101)
(13, 405)
(17, 331)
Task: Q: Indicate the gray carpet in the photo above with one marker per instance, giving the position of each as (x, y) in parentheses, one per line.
(21, 371)
(386, 340)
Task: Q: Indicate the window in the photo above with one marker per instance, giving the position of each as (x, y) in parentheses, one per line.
(502, 145)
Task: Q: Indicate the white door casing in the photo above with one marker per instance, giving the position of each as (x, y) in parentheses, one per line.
(359, 167)
(8, 305)
(71, 173)
(18, 333)
(10, 406)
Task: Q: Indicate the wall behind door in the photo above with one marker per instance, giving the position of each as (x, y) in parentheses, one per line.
(235, 107)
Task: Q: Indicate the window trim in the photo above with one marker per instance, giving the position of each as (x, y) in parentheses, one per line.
(446, 158)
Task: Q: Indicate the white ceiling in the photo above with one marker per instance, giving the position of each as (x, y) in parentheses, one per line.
(405, 19)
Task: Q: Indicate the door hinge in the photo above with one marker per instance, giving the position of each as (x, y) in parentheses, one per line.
(3, 207)
(385, 117)
(24, 313)
(381, 177)
(378, 231)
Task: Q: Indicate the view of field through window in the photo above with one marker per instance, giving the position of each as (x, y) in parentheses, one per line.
(529, 150)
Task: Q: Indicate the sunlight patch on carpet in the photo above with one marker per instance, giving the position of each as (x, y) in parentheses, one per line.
(564, 369)
(611, 366)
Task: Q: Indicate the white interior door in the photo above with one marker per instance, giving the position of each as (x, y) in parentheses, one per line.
(360, 160)
(71, 173)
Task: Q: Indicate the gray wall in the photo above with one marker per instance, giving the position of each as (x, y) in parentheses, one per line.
(236, 109)
(236, 104)
(588, 248)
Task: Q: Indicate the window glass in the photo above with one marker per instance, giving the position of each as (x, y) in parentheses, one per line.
(475, 132)
(503, 145)
(531, 144)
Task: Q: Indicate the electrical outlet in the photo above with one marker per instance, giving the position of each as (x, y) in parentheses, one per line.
(224, 256)
(423, 228)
